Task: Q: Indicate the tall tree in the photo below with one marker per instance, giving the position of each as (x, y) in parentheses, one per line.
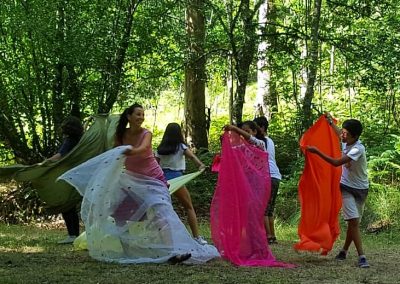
(266, 100)
(195, 77)
(313, 62)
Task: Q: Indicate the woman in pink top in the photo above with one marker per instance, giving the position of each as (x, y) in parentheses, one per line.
(126, 204)
(140, 159)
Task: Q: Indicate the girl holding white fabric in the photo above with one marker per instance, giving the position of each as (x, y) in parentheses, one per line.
(126, 206)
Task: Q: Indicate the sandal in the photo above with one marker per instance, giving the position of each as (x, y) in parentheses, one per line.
(179, 258)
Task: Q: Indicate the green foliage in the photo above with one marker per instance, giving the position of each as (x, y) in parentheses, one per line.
(202, 188)
(19, 203)
(384, 196)
(216, 130)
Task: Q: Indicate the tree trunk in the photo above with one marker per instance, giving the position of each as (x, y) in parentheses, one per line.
(116, 63)
(195, 78)
(313, 67)
(267, 98)
(243, 59)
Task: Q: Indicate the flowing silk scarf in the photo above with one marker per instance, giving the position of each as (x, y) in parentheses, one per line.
(237, 209)
(319, 191)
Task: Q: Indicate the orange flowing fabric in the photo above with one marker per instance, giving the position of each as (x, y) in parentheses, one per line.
(319, 191)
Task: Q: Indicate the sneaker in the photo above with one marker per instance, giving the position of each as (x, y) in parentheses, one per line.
(201, 240)
(341, 255)
(67, 240)
(362, 262)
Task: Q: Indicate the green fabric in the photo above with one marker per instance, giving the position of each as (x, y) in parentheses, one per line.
(60, 196)
(177, 183)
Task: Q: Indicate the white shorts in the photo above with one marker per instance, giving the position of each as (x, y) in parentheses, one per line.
(351, 208)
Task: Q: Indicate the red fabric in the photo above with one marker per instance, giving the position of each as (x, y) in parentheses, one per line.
(319, 191)
(216, 163)
(237, 209)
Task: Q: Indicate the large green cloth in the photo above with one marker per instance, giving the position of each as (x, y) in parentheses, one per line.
(59, 196)
(177, 183)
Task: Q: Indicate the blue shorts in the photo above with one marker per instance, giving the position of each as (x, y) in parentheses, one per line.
(170, 174)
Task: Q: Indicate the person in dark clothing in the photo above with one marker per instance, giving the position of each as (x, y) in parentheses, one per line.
(72, 131)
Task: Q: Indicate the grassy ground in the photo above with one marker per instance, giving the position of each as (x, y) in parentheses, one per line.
(29, 254)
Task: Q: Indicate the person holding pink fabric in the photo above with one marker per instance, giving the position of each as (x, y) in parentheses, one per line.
(251, 132)
(240, 199)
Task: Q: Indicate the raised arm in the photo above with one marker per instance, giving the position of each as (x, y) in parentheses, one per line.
(193, 157)
(329, 118)
(238, 131)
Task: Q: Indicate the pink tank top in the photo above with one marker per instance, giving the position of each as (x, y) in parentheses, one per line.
(145, 163)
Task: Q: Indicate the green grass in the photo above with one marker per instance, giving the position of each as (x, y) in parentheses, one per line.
(29, 254)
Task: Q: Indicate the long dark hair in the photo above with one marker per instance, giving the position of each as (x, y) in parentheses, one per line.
(262, 121)
(72, 127)
(253, 126)
(171, 140)
(123, 121)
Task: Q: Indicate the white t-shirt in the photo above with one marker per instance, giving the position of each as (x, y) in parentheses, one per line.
(354, 173)
(257, 142)
(176, 161)
(273, 167)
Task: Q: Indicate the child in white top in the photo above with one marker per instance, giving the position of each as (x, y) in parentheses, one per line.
(171, 155)
(276, 177)
(251, 132)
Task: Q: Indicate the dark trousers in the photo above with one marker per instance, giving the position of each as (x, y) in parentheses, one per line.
(71, 219)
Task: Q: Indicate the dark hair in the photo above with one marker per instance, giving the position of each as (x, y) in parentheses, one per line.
(72, 127)
(253, 126)
(123, 121)
(171, 139)
(262, 121)
(353, 126)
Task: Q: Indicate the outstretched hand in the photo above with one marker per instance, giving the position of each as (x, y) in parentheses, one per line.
(312, 149)
(329, 117)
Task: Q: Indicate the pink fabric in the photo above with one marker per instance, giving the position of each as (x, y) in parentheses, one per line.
(145, 164)
(319, 192)
(239, 202)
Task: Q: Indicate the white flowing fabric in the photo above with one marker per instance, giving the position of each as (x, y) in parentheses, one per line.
(129, 217)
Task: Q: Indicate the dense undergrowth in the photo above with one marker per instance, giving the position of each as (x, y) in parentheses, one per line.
(19, 203)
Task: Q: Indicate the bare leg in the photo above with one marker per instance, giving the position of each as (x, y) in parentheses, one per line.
(271, 221)
(183, 196)
(353, 235)
(267, 226)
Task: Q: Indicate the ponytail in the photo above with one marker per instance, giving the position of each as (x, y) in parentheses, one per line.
(123, 122)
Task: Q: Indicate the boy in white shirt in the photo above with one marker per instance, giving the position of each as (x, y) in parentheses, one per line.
(276, 177)
(353, 183)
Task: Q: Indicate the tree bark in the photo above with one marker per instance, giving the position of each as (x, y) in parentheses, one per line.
(243, 59)
(114, 71)
(267, 98)
(195, 77)
(313, 66)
